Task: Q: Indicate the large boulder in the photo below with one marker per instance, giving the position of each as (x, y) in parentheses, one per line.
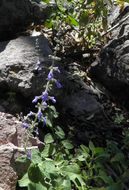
(112, 66)
(18, 59)
(17, 15)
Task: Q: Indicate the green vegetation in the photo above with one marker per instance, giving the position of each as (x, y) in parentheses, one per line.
(85, 20)
(60, 164)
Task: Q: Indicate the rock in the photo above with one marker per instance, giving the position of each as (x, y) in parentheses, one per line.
(115, 19)
(8, 176)
(17, 15)
(76, 101)
(11, 137)
(18, 62)
(112, 66)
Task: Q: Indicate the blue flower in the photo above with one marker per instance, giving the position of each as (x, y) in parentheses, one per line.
(45, 96)
(30, 114)
(39, 115)
(52, 98)
(25, 125)
(35, 99)
(50, 75)
(58, 84)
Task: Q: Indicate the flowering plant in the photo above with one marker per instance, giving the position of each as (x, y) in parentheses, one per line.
(42, 104)
(61, 166)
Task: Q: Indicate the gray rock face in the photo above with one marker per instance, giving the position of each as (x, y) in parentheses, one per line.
(115, 18)
(16, 15)
(18, 61)
(77, 100)
(112, 66)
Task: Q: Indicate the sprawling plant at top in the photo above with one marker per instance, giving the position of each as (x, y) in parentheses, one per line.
(82, 20)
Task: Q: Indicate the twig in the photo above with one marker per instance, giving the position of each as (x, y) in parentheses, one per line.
(12, 147)
(115, 26)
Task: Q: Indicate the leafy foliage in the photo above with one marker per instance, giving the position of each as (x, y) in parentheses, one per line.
(83, 20)
(61, 165)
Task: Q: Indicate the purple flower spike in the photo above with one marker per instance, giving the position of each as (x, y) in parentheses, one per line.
(52, 98)
(45, 96)
(28, 154)
(58, 84)
(35, 99)
(39, 115)
(25, 125)
(50, 75)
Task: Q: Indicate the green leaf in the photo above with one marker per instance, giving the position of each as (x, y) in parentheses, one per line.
(85, 151)
(72, 21)
(49, 166)
(59, 159)
(48, 169)
(48, 138)
(98, 150)
(73, 172)
(48, 151)
(49, 122)
(36, 156)
(81, 158)
(73, 168)
(48, 23)
(53, 111)
(62, 183)
(24, 181)
(66, 184)
(46, 1)
(59, 132)
(34, 173)
(107, 179)
(67, 144)
(36, 186)
(45, 152)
